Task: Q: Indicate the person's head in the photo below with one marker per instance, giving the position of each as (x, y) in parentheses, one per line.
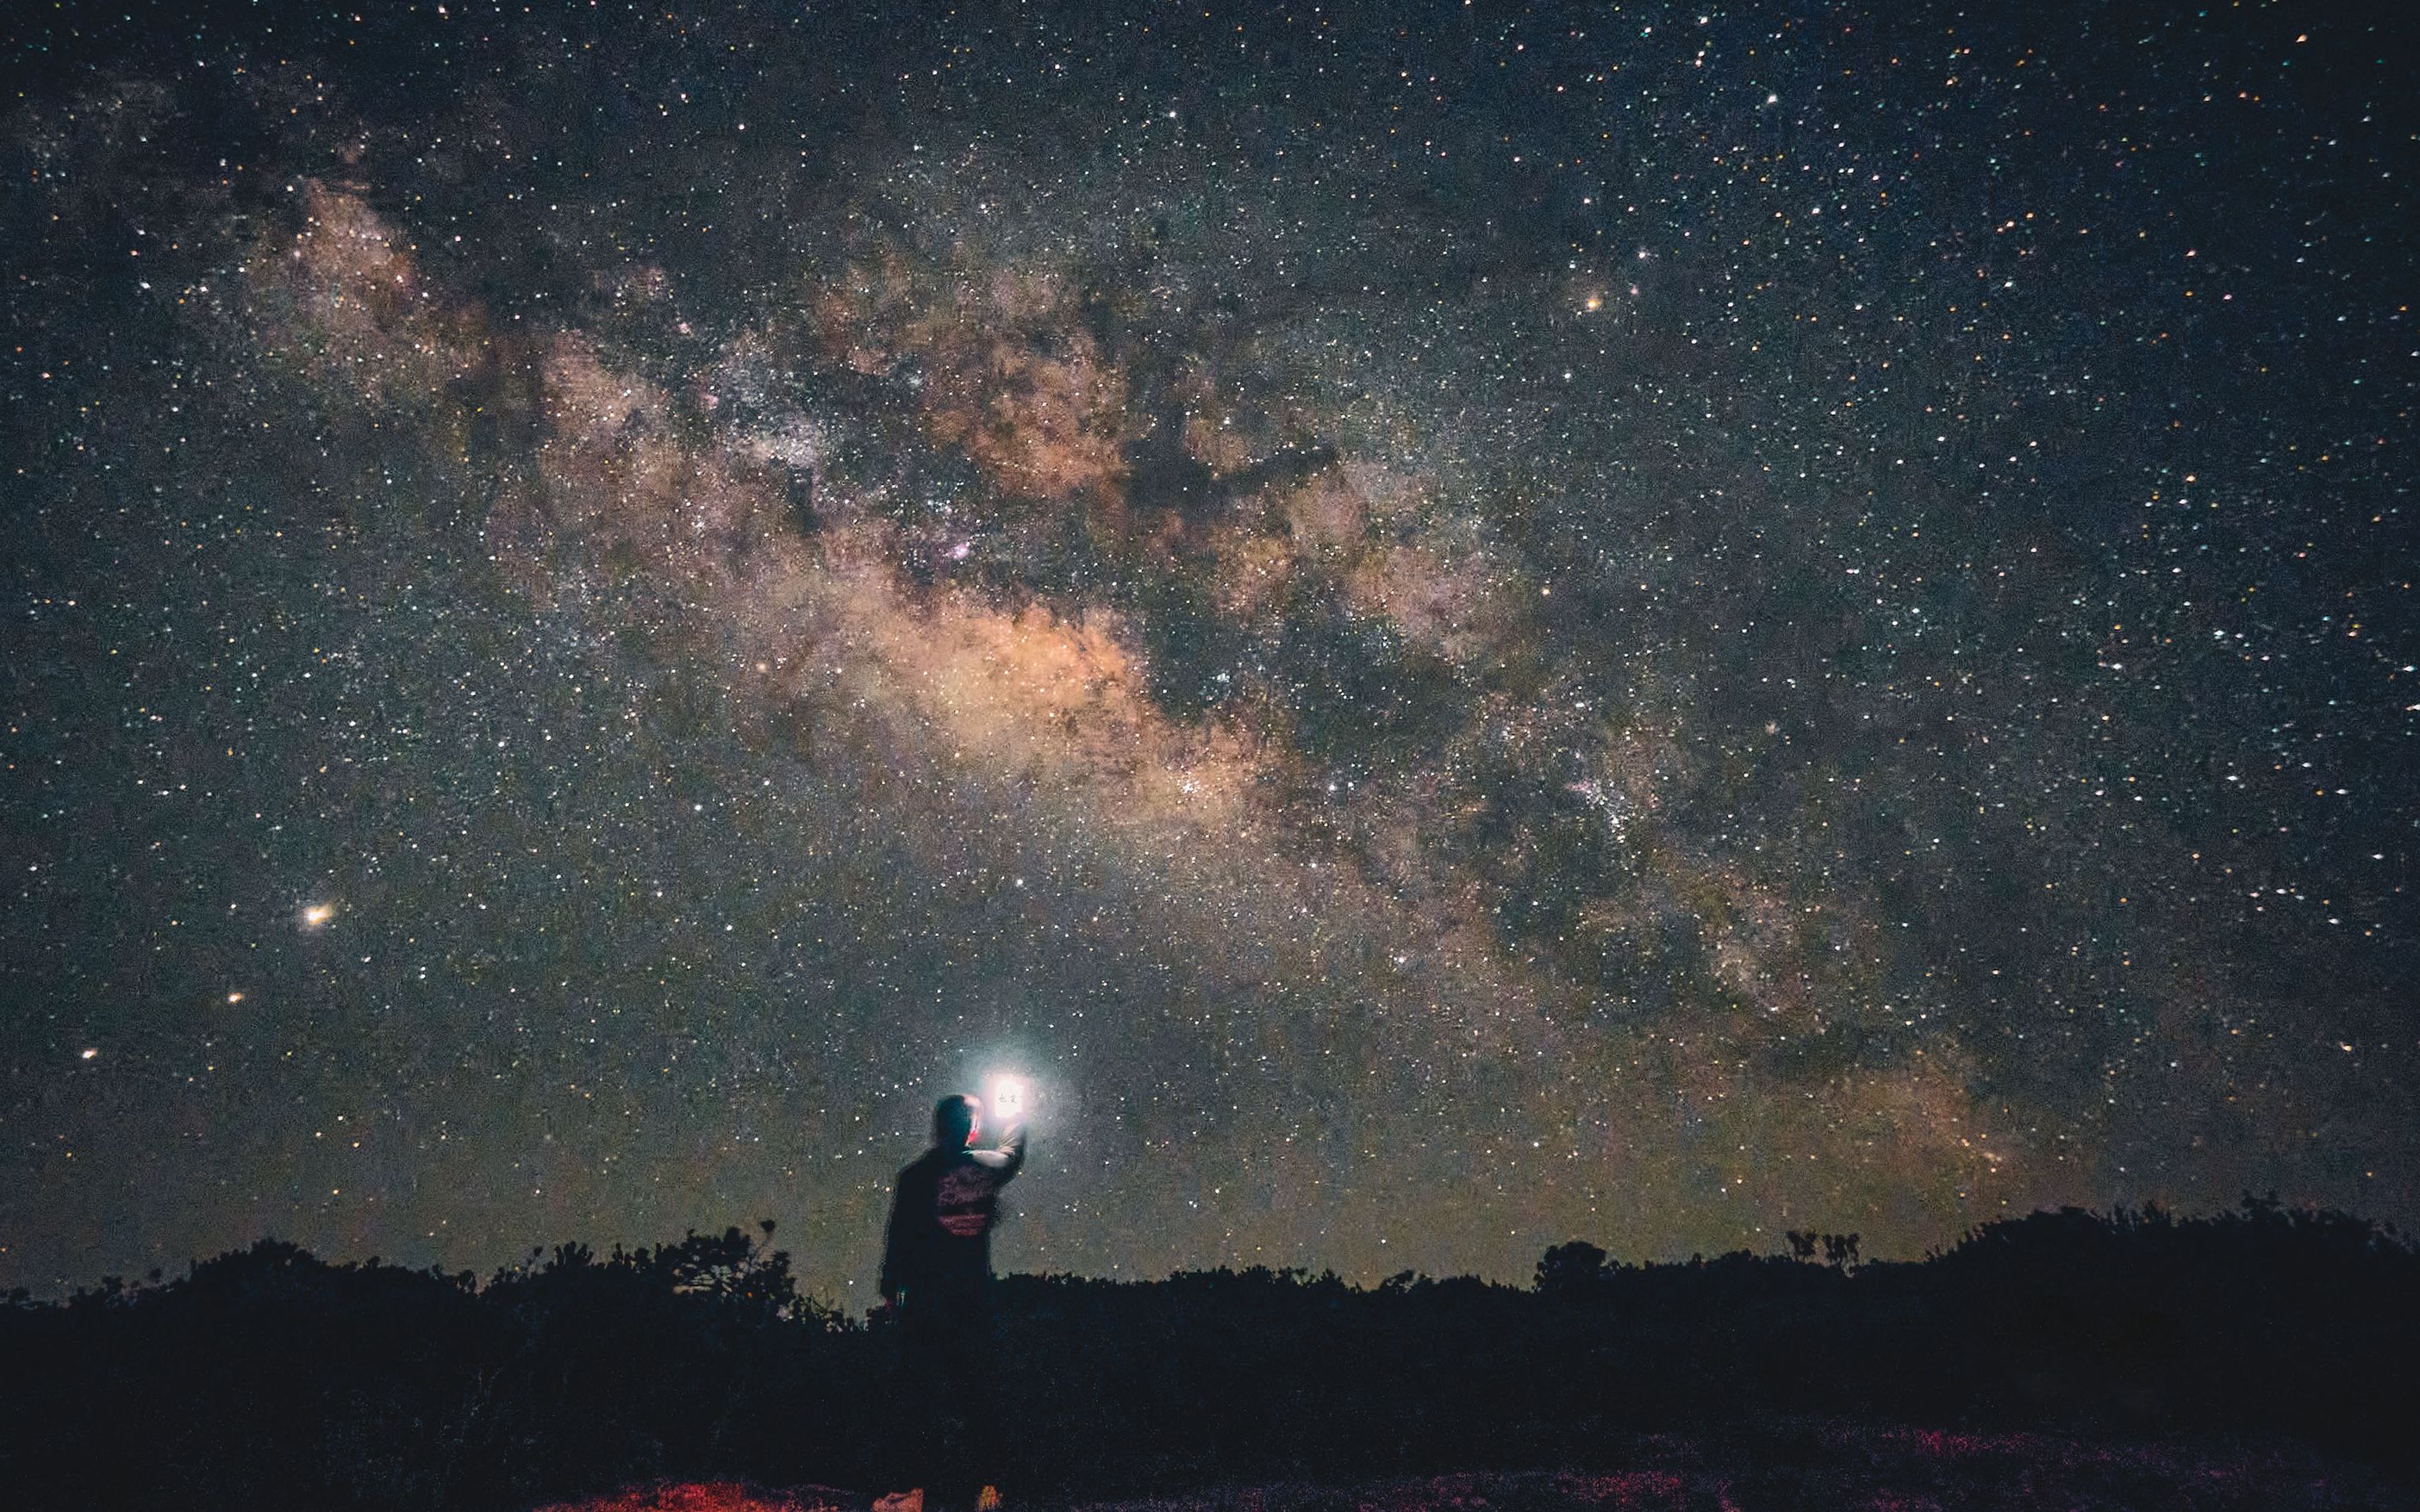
(955, 1119)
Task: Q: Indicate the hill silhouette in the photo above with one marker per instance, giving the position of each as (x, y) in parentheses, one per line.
(268, 1378)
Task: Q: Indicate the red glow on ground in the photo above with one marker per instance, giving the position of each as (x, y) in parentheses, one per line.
(1838, 1467)
(700, 1496)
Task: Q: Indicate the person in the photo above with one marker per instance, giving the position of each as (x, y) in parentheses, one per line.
(937, 1283)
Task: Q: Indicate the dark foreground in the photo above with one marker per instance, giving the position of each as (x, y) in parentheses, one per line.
(2279, 1344)
(1781, 1469)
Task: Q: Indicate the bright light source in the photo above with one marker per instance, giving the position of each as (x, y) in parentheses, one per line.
(1004, 1098)
(318, 913)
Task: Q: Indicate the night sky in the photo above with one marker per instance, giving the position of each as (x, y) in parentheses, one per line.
(1459, 625)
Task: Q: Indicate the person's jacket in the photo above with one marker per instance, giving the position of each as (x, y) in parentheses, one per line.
(936, 1258)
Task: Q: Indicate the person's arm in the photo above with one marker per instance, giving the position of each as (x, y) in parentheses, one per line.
(1003, 1162)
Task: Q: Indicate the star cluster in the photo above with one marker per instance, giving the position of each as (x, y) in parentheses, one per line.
(1455, 626)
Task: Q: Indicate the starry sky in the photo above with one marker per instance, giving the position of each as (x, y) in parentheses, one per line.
(1458, 625)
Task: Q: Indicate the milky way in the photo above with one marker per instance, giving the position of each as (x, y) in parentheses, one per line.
(1458, 628)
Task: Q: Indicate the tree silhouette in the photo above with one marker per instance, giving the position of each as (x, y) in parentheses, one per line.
(1570, 1270)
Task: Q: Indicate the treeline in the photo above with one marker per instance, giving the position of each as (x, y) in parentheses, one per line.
(268, 1379)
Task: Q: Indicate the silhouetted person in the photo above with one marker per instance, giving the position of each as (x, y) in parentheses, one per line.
(936, 1279)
